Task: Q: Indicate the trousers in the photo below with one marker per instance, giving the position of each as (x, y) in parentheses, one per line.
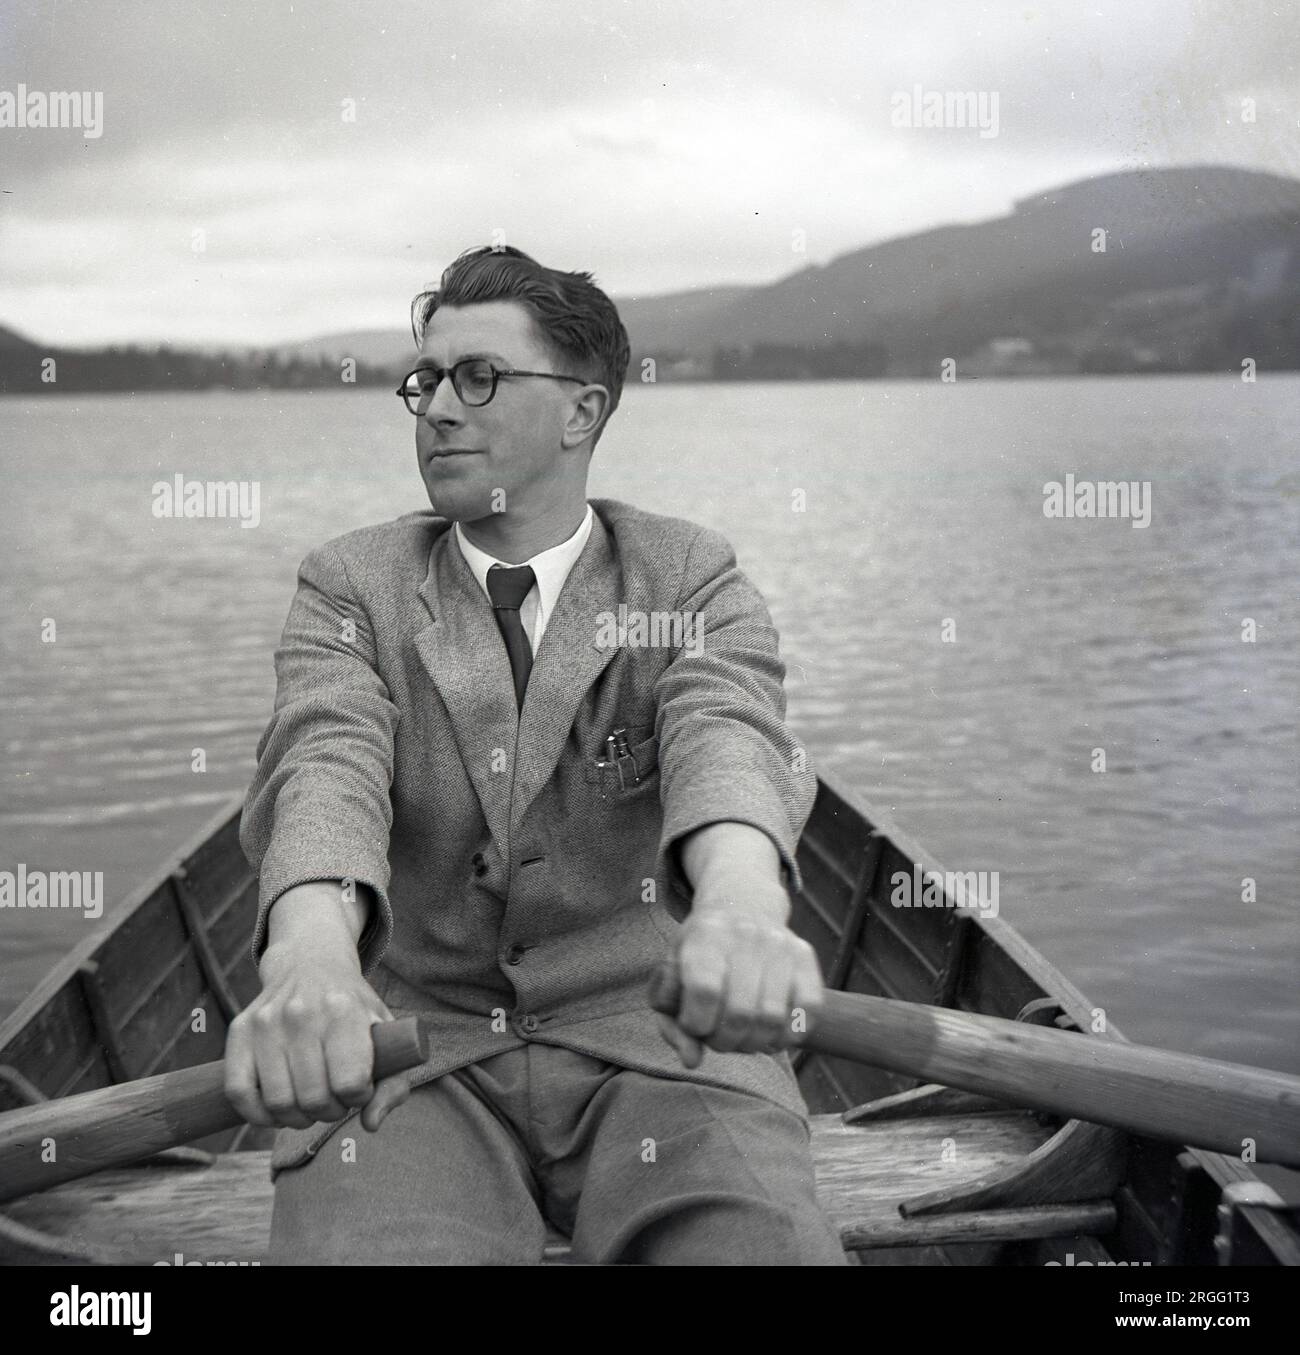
(634, 1168)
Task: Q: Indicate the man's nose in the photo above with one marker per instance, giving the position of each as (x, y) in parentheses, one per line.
(445, 407)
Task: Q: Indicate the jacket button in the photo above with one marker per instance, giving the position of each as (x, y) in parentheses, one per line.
(515, 953)
(479, 864)
(528, 1024)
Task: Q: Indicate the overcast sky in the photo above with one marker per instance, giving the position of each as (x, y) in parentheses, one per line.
(660, 144)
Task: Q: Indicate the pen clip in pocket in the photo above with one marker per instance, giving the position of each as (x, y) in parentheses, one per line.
(618, 765)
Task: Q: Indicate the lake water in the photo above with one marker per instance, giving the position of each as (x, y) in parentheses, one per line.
(920, 502)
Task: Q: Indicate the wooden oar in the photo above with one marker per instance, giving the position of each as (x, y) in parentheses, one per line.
(1204, 1103)
(60, 1140)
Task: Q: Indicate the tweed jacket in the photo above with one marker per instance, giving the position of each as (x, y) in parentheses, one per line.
(525, 891)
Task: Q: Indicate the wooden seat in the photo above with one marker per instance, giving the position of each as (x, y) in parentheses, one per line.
(220, 1214)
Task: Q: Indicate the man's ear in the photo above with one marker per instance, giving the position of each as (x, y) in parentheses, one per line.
(588, 414)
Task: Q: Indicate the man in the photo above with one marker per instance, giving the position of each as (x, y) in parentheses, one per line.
(524, 749)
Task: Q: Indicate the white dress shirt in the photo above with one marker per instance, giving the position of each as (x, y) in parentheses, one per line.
(551, 567)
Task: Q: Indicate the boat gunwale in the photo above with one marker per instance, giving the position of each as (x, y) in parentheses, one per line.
(64, 970)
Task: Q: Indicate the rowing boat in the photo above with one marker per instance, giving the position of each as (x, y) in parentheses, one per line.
(912, 1175)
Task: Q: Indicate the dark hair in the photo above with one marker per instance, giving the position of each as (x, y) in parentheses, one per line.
(573, 316)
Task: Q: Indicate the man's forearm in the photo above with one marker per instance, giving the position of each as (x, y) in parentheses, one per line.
(319, 917)
(736, 867)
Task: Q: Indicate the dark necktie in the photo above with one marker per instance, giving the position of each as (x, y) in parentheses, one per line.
(508, 588)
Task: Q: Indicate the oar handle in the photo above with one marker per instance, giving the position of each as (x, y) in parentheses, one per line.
(398, 1045)
(56, 1141)
(1205, 1103)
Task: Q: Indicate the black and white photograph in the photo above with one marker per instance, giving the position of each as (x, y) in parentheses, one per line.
(638, 633)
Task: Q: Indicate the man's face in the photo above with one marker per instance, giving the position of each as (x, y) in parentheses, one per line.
(502, 456)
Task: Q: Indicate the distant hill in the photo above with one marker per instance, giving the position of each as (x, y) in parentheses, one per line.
(12, 342)
(377, 347)
(1200, 269)
(29, 368)
(1186, 252)
(695, 313)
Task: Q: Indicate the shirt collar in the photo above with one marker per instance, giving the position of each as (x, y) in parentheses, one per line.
(551, 566)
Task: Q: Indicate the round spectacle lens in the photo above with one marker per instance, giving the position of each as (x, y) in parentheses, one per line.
(418, 390)
(474, 381)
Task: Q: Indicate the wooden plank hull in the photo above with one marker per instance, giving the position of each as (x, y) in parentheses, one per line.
(158, 991)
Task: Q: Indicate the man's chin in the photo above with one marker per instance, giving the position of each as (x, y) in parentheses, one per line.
(457, 505)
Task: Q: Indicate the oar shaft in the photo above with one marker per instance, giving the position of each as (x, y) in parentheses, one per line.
(1205, 1103)
(56, 1141)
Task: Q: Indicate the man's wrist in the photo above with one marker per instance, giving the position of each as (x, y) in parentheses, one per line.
(752, 897)
(326, 947)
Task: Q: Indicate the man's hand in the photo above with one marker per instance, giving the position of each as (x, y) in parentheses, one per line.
(748, 983)
(302, 1050)
(745, 985)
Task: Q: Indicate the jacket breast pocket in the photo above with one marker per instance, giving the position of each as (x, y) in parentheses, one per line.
(626, 773)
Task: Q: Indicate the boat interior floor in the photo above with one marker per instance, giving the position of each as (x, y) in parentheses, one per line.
(978, 1177)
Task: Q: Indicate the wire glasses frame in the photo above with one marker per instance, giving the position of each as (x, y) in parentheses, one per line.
(474, 380)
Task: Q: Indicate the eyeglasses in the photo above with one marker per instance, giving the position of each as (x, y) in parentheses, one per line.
(474, 381)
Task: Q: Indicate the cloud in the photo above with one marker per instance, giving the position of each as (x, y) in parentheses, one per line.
(336, 156)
